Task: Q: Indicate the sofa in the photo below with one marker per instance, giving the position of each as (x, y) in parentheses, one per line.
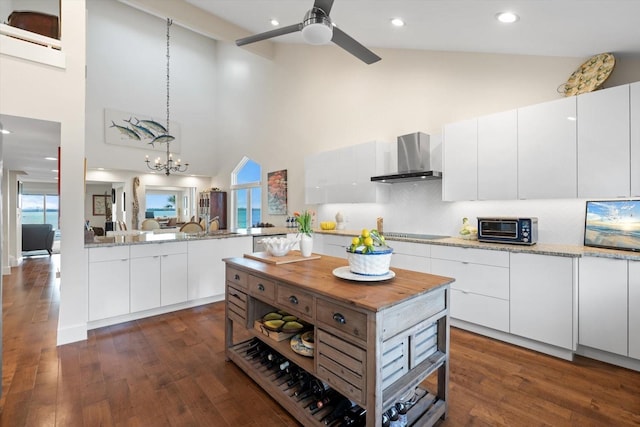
(37, 237)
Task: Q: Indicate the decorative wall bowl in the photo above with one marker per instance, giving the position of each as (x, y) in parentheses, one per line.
(279, 246)
(370, 264)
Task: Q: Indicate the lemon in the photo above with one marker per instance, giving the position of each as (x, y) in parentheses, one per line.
(368, 241)
(355, 241)
(365, 233)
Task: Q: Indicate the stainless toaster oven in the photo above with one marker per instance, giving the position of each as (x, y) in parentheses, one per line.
(520, 231)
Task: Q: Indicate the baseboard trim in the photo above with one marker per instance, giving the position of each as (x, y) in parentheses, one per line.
(552, 350)
(72, 334)
(153, 312)
(605, 356)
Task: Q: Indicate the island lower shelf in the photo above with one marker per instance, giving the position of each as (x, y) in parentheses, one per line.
(372, 351)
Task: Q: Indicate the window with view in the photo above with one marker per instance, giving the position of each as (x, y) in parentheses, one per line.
(160, 205)
(246, 194)
(40, 209)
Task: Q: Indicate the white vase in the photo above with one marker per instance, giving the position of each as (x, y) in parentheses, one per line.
(306, 245)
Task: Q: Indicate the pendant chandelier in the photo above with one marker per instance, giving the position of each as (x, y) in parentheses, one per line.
(169, 165)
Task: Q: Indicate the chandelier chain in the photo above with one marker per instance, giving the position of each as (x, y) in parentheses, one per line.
(169, 23)
(170, 165)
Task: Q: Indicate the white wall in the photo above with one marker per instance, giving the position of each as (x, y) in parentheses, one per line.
(126, 71)
(33, 90)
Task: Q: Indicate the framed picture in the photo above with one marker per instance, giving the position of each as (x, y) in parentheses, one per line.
(100, 204)
(277, 192)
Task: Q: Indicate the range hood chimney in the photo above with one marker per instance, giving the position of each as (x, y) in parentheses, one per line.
(414, 160)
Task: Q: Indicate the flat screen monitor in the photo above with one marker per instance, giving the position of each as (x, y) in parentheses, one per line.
(613, 224)
(148, 214)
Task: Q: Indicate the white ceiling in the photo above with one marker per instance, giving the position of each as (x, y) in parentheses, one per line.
(574, 28)
(26, 147)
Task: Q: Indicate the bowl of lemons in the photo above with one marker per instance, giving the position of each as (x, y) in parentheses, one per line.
(327, 225)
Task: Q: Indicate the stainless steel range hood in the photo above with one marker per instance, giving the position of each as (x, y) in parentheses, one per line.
(414, 160)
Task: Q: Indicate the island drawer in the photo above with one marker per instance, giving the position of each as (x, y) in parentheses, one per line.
(236, 303)
(238, 277)
(262, 288)
(342, 365)
(295, 301)
(342, 319)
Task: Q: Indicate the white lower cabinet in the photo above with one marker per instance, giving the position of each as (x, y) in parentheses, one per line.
(411, 256)
(158, 275)
(108, 282)
(206, 269)
(602, 318)
(480, 293)
(610, 305)
(335, 245)
(634, 309)
(542, 298)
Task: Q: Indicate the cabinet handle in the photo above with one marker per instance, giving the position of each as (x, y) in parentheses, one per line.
(235, 295)
(261, 287)
(236, 277)
(465, 262)
(293, 300)
(339, 318)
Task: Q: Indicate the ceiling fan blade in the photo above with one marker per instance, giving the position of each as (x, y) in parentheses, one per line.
(269, 34)
(349, 44)
(324, 5)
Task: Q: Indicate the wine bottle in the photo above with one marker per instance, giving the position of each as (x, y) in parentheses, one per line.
(327, 399)
(304, 384)
(402, 414)
(341, 406)
(386, 422)
(319, 388)
(393, 417)
(355, 417)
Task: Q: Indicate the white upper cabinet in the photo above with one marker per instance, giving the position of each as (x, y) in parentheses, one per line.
(635, 138)
(603, 143)
(498, 156)
(344, 175)
(547, 150)
(460, 161)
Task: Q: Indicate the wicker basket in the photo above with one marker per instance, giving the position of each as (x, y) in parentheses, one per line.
(370, 264)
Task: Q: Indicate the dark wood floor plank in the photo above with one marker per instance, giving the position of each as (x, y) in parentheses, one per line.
(170, 370)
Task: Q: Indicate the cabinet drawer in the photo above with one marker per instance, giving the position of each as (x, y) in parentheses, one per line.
(113, 253)
(486, 311)
(156, 249)
(238, 277)
(295, 302)
(264, 289)
(342, 365)
(342, 319)
(236, 303)
(479, 279)
(471, 255)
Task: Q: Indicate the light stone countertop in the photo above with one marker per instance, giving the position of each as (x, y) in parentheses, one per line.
(147, 237)
(573, 251)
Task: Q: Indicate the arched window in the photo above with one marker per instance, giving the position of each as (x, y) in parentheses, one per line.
(246, 194)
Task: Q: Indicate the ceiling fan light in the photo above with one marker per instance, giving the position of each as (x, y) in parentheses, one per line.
(317, 33)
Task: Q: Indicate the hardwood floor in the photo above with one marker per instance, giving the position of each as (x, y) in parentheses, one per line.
(169, 370)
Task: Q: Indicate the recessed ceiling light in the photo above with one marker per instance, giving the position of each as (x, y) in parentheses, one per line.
(5, 131)
(50, 158)
(507, 17)
(275, 22)
(397, 22)
(54, 170)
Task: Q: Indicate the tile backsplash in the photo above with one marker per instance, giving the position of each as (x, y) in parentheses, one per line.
(418, 208)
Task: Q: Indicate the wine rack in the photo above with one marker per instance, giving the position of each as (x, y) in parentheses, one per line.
(281, 388)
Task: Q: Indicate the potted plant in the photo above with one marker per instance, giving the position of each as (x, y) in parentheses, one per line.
(305, 221)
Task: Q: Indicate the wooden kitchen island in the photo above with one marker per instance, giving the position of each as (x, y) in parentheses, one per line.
(375, 342)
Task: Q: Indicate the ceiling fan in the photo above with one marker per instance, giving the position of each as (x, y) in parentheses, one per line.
(317, 29)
